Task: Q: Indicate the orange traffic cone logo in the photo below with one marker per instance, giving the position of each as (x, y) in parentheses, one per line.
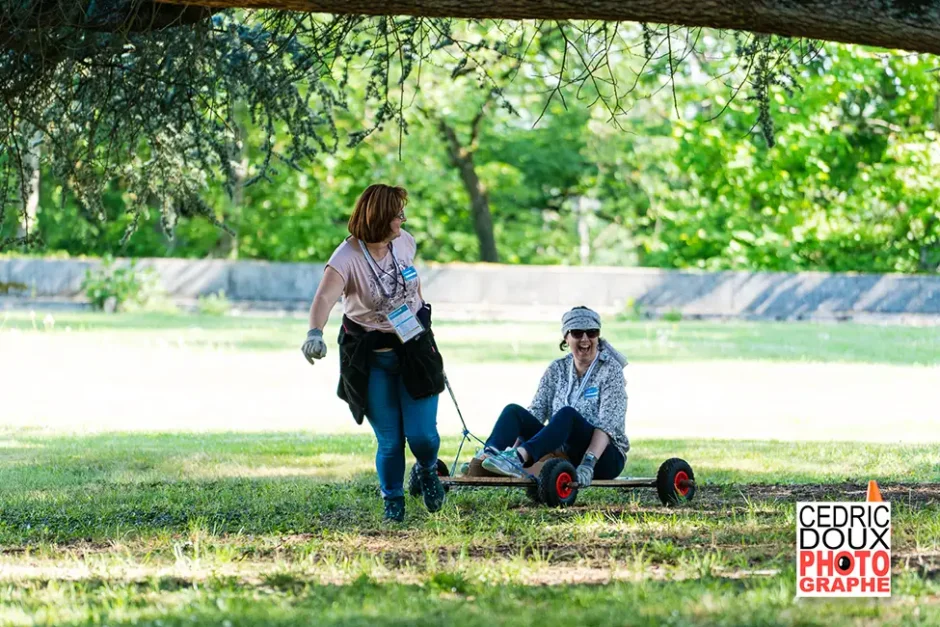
(874, 494)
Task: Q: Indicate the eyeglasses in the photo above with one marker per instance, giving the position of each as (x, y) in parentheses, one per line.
(578, 333)
(401, 216)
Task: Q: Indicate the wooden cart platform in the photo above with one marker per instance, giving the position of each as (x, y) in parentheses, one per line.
(478, 476)
(508, 482)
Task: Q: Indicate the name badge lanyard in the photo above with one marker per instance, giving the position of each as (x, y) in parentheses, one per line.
(373, 265)
(584, 381)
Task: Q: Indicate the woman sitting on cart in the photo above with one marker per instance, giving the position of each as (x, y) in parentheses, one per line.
(583, 399)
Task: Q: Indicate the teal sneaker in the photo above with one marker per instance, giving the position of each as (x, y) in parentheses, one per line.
(483, 453)
(478, 457)
(505, 463)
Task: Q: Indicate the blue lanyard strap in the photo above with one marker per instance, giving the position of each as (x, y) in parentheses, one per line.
(373, 265)
(584, 381)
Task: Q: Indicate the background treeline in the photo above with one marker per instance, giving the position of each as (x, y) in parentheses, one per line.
(679, 178)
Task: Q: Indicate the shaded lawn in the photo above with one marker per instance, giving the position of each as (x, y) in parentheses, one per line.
(57, 488)
(276, 528)
(450, 599)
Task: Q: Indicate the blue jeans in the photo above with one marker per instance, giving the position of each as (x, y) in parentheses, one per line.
(396, 417)
(567, 429)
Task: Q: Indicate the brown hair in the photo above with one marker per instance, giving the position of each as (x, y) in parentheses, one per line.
(375, 209)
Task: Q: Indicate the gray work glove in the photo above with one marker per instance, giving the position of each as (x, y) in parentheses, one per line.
(585, 472)
(314, 347)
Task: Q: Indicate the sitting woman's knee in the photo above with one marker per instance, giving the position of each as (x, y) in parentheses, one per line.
(566, 414)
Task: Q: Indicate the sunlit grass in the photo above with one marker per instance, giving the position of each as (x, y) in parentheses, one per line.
(522, 342)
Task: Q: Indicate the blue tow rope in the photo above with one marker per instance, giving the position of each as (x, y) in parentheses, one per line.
(467, 435)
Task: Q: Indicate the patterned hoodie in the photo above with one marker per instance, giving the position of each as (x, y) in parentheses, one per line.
(603, 398)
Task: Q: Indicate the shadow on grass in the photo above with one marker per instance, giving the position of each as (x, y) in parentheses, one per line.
(451, 599)
(252, 506)
(65, 488)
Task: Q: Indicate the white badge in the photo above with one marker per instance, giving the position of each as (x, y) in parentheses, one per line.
(406, 325)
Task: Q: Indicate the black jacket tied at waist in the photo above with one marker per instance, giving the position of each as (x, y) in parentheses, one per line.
(420, 362)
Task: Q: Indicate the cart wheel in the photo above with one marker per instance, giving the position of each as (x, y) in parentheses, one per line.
(443, 471)
(554, 480)
(532, 491)
(675, 482)
(414, 483)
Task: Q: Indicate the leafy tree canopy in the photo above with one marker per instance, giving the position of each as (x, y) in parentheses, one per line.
(155, 99)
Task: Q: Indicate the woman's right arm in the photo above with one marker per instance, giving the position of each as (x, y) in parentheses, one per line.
(328, 293)
(541, 406)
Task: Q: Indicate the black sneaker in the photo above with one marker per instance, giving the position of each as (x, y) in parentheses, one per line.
(432, 489)
(395, 509)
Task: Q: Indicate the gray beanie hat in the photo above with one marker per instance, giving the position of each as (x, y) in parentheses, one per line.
(586, 319)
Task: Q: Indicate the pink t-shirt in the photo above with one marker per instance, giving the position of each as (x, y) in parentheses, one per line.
(364, 300)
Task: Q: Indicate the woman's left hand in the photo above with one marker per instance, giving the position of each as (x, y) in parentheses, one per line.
(585, 474)
(314, 347)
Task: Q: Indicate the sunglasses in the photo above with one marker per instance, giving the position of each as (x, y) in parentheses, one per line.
(578, 333)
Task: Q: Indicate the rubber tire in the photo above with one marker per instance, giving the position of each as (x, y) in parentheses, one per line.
(532, 491)
(666, 482)
(414, 483)
(548, 480)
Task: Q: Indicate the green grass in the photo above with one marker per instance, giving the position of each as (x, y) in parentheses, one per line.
(283, 528)
(278, 528)
(286, 599)
(62, 489)
(534, 342)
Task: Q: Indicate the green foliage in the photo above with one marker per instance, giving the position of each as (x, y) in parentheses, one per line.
(683, 176)
(12, 286)
(113, 288)
(673, 315)
(836, 192)
(214, 304)
(632, 311)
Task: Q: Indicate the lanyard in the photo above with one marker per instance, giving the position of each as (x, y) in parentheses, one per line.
(373, 265)
(587, 375)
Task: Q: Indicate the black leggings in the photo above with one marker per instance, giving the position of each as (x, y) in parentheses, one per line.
(567, 429)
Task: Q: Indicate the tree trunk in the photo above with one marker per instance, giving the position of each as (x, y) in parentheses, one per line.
(227, 245)
(927, 261)
(479, 200)
(30, 201)
(903, 24)
(584, 233)
(936, 112)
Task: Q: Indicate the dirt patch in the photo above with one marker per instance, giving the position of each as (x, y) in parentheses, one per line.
(913, 494)
(720, 496)
(77, 548)
(297, 579)
(723, 505)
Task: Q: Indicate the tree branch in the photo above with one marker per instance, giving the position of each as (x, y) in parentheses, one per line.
(902, 24)
(475, 125)
(109, 17)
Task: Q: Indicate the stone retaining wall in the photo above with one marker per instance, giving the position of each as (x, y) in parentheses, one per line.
(485, 287)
